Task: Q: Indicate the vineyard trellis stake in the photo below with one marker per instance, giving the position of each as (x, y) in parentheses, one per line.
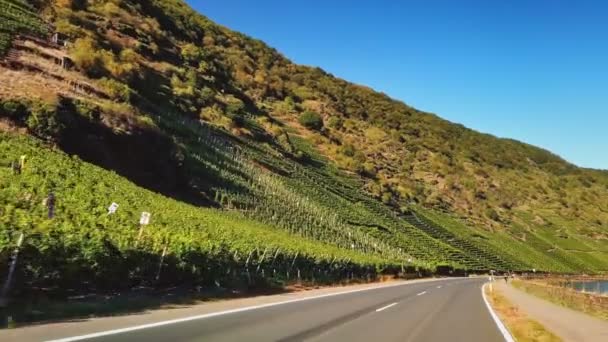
(261, 260)
(50, 203)
(160, 264)
(22, 162)
(11, 271)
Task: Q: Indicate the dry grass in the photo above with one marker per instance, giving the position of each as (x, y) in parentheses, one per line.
(521, 327)
(595, 305)
(21, 84)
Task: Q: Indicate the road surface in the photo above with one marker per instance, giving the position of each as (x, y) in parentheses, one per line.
(445, 310)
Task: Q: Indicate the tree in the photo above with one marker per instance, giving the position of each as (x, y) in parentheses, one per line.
(311, 120)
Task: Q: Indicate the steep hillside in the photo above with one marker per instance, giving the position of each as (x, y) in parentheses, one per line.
(345, 178)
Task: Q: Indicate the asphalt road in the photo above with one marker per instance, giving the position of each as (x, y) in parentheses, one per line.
(446, 310)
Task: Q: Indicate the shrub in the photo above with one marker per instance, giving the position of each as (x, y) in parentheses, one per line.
(191, 53)
(181, 88)
(492, 214)
(15, 110)
(44, 121)
(116, 90)
(311, 120)
(87, 109)
(348, 150)
(212, 114)
(207, 95)
(234, 106)
(375, 134)
(386, 197)
(335, 122)
(86, 56)
(369, 169)
(125, 67)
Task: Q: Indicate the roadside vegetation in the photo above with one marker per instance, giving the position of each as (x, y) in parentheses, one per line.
(521, 327)
(556, 291)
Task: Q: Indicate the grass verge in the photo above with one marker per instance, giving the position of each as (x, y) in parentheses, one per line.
(594, 305)
(521, 327)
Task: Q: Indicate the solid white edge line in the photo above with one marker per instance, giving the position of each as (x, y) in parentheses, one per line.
(421, 293)
(501, 327)
(220, 313)
(386, 307)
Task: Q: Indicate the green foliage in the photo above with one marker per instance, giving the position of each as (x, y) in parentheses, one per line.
(369, 169)
(234, 106)
(44, 121)
(83, 244)
(192, 53)
(335, 122)
(348, 150)
(311, 120)
(87, 56)
(15, 110)
(387, 197)
(116, 89)
(18, 17)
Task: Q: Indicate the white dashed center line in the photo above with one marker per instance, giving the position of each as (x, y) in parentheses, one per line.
(385, 307)
(421, 293)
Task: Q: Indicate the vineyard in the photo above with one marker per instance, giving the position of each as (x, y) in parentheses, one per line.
(18, 17)
(537, 251)
(82, 247)
(311, 199)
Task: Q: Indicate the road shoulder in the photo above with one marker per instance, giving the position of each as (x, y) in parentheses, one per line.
(520, 326)
(568, 324)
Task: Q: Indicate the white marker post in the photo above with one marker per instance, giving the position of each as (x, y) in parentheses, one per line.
(11, 271)
(144, 220)
(112, 208)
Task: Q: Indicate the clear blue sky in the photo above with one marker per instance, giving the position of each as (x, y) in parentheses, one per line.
(532, 70)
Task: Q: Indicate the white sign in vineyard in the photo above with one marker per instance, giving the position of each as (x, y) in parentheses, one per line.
(113, 207)
(144, 220)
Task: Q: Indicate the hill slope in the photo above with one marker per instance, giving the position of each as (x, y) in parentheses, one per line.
(343, 177)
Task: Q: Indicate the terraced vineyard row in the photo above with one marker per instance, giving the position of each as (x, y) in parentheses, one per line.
(519, 246)
(361, 211)
(18, 17)
(469, 254)
(294, 196)
(267, 197)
